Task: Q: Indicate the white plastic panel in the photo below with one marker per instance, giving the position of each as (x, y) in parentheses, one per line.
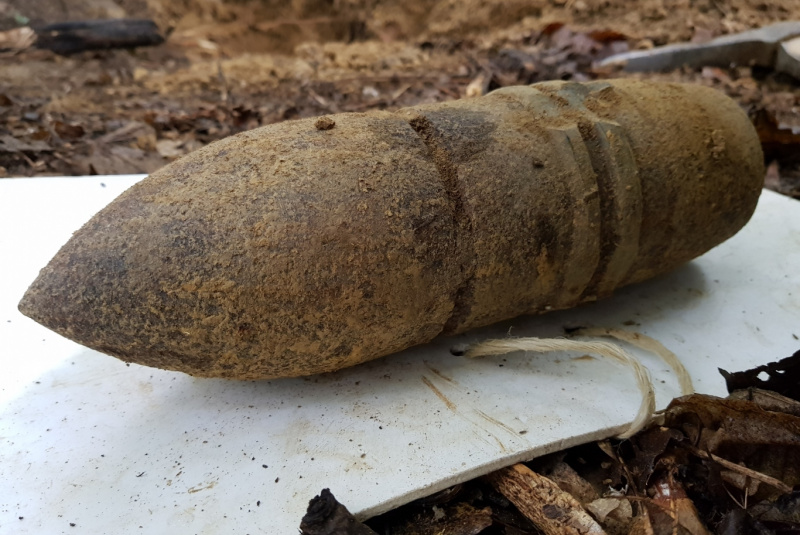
(87, 440)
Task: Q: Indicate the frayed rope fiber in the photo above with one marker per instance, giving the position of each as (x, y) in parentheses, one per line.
(648, 344)
(606, 349)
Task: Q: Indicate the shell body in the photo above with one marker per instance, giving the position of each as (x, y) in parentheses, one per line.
(291, 249)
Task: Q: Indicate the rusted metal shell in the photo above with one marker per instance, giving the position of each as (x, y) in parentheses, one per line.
(296, 248)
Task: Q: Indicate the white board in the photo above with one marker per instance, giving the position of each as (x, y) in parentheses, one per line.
(87, 440)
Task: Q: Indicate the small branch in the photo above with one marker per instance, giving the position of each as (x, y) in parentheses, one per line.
(552, 510)
(758, 476)
(71, 37)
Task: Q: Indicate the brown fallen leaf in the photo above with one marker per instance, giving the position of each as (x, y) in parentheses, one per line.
(16, 40)
(607, 36)
(614, 514)
(712, 422)
(577, 43)
(648, 447)
(552, 28)
(742, 477)
(130, 132)
(12, 144)
(671, 510)
(479, 86)
(120, 160)
(785, 510)
(170, 148)
(69, 132)
(738, 436)
(782, 377)
(768, 400)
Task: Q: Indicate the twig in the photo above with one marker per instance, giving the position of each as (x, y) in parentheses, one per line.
(758, 476)
(378, 78)
(551, 509)
(76, 36)
(399, 92)
(721, 8)
(223, 82)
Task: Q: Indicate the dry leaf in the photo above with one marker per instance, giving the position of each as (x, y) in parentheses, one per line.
(170, 148)
(17, 39)
(782, 377)
(66, 131)
(603, 507)
(673, 511)
(12, 144)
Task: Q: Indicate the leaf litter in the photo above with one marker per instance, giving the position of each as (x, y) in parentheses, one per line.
(706, 465)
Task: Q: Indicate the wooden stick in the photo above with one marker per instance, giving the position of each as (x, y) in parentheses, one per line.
(749, 472)
(552, 510)
(77, 36)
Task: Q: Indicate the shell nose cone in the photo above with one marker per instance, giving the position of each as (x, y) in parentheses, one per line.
(237, 261)
(64, 295)
(108, 287)
(73, 297)
(86, 293)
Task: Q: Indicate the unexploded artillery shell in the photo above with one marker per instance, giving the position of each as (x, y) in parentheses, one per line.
(292, 249)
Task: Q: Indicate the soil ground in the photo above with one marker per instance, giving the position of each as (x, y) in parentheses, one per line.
(227, 66)
(231, 65)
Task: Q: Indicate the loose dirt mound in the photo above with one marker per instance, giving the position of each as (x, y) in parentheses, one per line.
(228, 66)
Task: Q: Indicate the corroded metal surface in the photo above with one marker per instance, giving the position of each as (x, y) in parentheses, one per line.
(292, 249)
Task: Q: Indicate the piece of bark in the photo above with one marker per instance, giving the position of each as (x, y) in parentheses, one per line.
(326, 516)
(672, 509)
(552, 510)
(570, 481)
(768, 400)
(748, 474)
(77, 36)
